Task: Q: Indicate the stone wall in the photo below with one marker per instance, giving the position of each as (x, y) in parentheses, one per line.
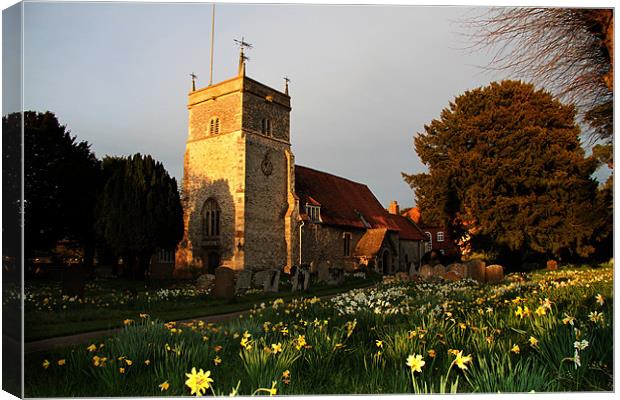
(323, 243)
(409, 250)
(259, 102)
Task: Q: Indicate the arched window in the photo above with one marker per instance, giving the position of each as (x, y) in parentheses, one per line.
(211, 219)
(214, 126)
(429, 241)
(346, 237)
(266, 127)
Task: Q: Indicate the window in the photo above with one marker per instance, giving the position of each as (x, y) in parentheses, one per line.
(266, 127)
(314, 213)
(440, 236)
(429, 241)
(214, 126)
(346, 237)
(211, 219)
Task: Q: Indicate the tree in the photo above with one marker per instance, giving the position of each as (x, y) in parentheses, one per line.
(506, 167)
(61, 178)
(139, 210)
(569, 51)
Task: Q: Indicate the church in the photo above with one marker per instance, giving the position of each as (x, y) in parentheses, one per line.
(248, 206)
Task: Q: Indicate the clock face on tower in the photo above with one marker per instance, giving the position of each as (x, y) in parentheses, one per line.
(266, 166)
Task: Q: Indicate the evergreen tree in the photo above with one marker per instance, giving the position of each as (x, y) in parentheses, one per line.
(139, 210)
(506, 168)
(61, 179)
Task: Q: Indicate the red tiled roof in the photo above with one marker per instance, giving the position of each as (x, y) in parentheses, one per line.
(408, 230)
(342, 201)
(413, 214)
(370, 243)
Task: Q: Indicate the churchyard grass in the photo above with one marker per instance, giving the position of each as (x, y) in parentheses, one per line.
(545, 331)
(49, 314)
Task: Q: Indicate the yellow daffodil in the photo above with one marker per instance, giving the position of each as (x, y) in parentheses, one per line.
(600, 299)
(515, 349)
(462, 360)
(462, 325)
(415, 362)
(568, 320)
(199, 381)
(300, 342)
(46, 364)
(164, 386)
(147, 362)
(217, 348)
(379, 343)
(540, 311)
(62, 362)
(144, 316)
(533, 341)
(121, 370)
(128, 361)
(217, 360)
(92, 348)
(276, 348)
(128, 322)
(431, 353)
(596, 316)
(286, 377)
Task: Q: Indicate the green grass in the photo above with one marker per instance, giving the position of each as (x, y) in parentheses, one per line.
(44, 324)
(341, 354)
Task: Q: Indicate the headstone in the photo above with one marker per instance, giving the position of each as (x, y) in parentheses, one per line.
(439, 271)
(552, 265)
(413, 270)
(224, 283)
(294, 277)
(452, 276)
(402, 276)
(272, 281)
(426, 271)
(73, 281)
(458, 268)
(205, 281)
(323, 272)
(305, 282)
(244, 281)
(259, 278)
(477, 270)
(336, 276)
(494, 273)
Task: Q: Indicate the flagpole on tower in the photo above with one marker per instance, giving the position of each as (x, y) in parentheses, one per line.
(212, 35)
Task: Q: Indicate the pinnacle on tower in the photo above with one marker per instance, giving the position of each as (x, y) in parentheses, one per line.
(242, 57)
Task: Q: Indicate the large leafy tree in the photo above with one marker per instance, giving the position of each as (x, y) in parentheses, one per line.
(139, 210)
(506, 167)
(61, 178)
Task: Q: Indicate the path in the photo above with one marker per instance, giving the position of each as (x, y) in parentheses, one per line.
(64, 341)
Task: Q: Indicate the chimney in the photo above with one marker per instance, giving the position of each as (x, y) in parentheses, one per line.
(394, 209)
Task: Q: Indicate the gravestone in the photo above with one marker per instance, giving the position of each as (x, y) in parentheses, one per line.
(244, 281)
(552, 265)
(458, 268)
(452, 276)
(413, 270)
(494, 273)
(402, 276)
(272, 281)
(294, 277)
(426, 271)
(323, 272)
(439, 271)
(336, 276)
(477, 270)
(224, 283)
(205, 281)
(305, 280)
(259, 278)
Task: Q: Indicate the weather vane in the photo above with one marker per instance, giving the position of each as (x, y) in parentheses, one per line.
(242, 57)
(194, 76)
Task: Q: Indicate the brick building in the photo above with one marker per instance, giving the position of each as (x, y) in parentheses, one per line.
(248, 206)
(437, 237)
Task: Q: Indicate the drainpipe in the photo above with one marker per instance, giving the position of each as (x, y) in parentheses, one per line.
(300, 226)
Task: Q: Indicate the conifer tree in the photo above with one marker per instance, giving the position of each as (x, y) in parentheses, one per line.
(139, 210)
(506, 168)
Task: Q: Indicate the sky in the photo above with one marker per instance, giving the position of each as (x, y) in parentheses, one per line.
(364, 79)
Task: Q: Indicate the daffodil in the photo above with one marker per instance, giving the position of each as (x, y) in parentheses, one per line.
(533, 341)
(61, 362)
(199, 381)
(276, 348)
(92, 348)
(379, 343)
(600, 299)
(217, 360)
(540, 311)
(515, 349)
(568, 320)
(415, 362)
(596, 316)
(121, 370)
(300, 342)
(128, 361)
(128, 322)
(46, 364)
(164, 386)
(147, 362)
(462, 360)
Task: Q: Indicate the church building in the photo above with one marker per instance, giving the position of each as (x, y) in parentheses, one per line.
(247, 206)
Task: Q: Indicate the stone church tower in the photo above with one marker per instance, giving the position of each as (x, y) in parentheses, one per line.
(239, 206)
